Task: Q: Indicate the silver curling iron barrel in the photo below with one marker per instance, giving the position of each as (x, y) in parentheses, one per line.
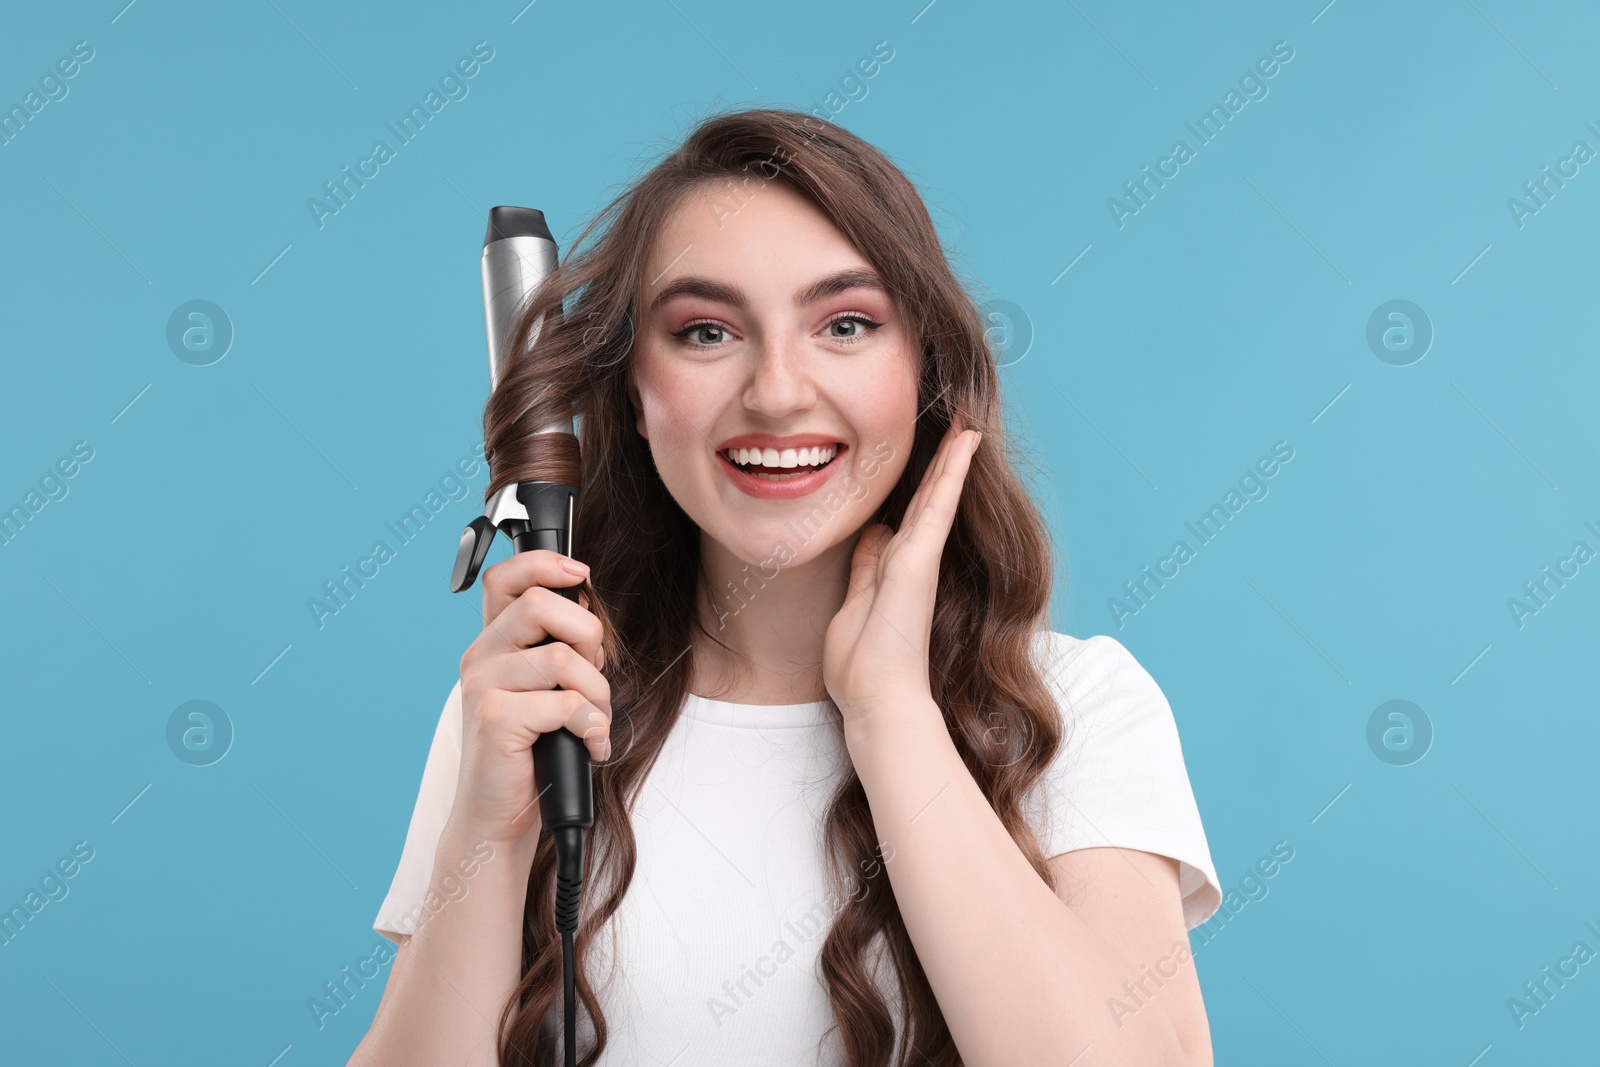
(518, 254)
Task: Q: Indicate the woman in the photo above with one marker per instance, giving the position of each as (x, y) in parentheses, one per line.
(855, 802)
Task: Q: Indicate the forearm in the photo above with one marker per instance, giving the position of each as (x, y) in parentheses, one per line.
(456, 973)
(1019, 976)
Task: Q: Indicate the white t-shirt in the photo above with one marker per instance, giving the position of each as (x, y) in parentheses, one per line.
(720, 930)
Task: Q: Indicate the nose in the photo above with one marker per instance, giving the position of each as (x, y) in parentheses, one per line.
(781, 379)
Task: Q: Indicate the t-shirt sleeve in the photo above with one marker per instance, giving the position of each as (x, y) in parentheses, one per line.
(403, 905)
(1119, 778)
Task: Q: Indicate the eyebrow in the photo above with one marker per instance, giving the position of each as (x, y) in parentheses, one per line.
(726, 293)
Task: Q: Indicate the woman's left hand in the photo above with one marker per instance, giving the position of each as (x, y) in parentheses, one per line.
(875, 651)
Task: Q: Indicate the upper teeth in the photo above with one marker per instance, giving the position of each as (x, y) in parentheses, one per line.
(788, 457)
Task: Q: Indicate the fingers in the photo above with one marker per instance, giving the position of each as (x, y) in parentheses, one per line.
(936, 466)
(945, 494)
(511, 577)
(540, 613)
(864, 560)
(548, 688)
(939, 493)
(547, 667)
(517, 719)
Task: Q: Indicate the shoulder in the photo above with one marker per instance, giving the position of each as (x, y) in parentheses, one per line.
(1087, 672)
(1119, 777)
(1119, 733)
(1114, 715)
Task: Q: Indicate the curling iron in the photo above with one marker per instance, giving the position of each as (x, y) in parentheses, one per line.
(518, 254)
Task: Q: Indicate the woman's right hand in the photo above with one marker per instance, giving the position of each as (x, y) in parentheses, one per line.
(509, 695)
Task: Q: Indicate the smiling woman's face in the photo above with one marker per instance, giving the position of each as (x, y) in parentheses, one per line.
(764, 328)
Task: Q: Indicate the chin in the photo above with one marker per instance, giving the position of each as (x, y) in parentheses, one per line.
(775, 545)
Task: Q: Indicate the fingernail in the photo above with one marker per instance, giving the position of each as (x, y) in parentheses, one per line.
(572, 566)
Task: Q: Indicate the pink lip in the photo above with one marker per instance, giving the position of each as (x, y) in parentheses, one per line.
(789, 488)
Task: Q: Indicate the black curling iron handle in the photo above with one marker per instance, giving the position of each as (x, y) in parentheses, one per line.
(562, 780)
(562, 772)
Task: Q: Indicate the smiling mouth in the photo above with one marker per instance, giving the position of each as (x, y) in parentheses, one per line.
(774, 465)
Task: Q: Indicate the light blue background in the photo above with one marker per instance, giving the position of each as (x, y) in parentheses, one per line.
(1228, 314)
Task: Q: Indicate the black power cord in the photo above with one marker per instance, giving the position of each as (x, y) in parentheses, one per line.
(569, 886)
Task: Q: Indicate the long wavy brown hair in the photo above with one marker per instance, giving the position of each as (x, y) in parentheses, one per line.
(573, 344)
